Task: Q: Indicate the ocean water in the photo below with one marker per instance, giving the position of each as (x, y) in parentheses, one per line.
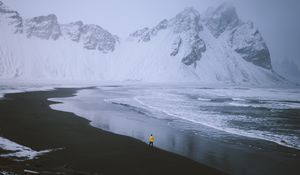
(237, 130)
(267, 114)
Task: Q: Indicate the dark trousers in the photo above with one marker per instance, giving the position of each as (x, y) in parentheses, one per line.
(150, 144)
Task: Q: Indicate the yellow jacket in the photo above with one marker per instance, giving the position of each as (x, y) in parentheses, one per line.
(151, 139)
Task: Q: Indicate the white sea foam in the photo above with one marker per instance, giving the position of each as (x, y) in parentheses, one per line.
(219, 122)
(203, 99)
(183, 110)
(238, 99)
(269, 104)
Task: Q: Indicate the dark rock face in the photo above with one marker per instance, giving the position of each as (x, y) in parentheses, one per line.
(44, 27)
(176, 46)
(198, 47)
(139, 33)
(259, 58)
(145, 34)
(72, 30)
(161, 26)
(94, 37)
(13, 17)
(242, 37)
(248, 42)
(188, 22)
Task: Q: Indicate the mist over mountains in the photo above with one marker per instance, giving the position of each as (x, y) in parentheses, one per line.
(213, 47)
(288, 69)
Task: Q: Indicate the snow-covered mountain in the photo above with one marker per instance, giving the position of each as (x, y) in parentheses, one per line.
(215, 47)
(243, 37)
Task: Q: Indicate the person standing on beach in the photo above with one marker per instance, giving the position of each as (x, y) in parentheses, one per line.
(151, 140)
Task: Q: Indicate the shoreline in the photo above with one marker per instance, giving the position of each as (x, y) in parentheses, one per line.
(26, 118)
(239, 155)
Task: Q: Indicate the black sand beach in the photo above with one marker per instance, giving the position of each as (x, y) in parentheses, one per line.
(27, 119)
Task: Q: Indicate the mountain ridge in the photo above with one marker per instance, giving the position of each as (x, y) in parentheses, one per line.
(192, 50)
(243, 37)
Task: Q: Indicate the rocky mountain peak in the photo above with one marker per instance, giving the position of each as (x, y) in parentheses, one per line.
(139, 33)
(188, 19)
(44, 27)
(243, 37)
(90, 35)
(39, 19)
(226, 6)
(249, 43)
(12, 17)
(47, 27)
(189, 12)
(177, 49)
(221, 19)
(78, 23)
(185, 26)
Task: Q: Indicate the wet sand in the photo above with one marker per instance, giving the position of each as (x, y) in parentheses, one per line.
(27, 119)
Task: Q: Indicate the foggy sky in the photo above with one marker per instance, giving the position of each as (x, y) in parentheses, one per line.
(277, 20)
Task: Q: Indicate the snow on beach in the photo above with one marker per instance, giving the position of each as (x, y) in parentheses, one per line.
(19, 152)
(16, 151)
(16, 88)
